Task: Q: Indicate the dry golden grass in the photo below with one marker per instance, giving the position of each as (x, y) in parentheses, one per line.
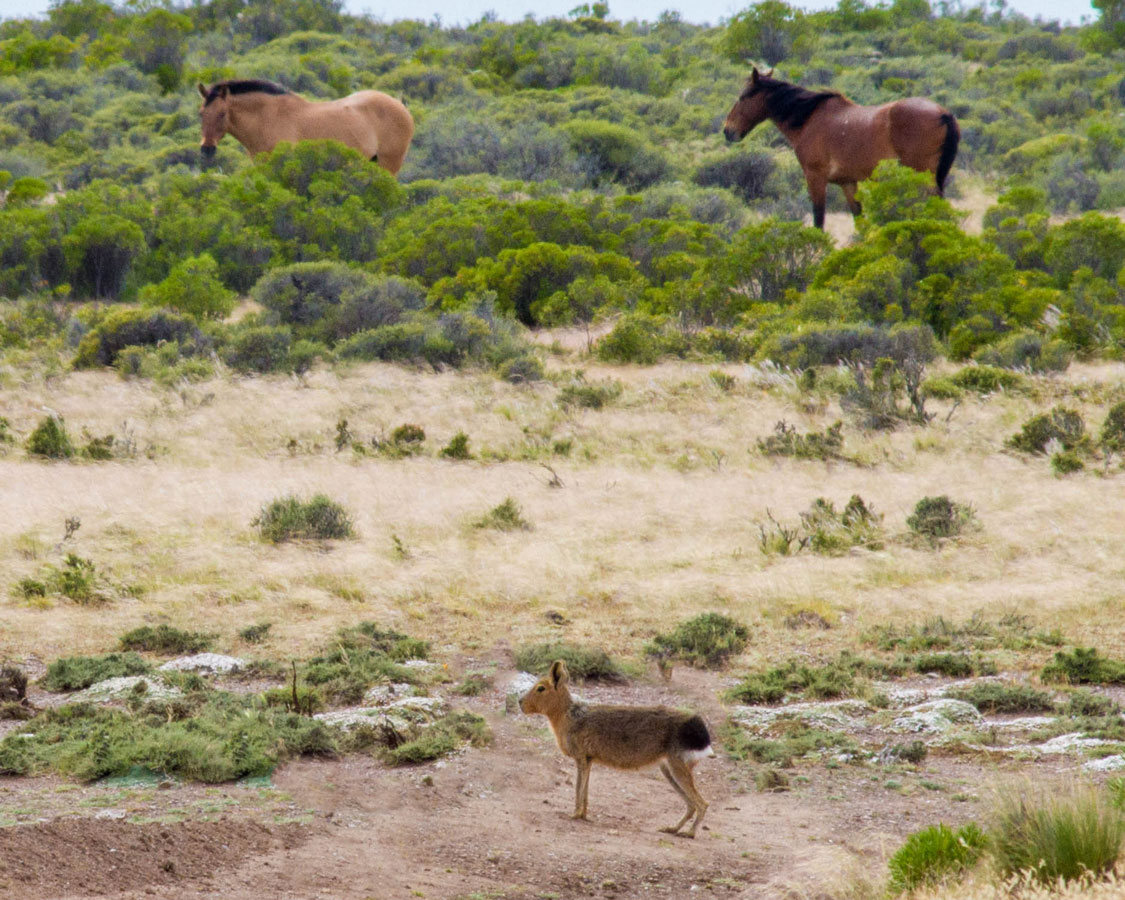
(655, 521)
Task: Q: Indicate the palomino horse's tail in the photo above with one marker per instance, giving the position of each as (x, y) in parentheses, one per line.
(948, 150)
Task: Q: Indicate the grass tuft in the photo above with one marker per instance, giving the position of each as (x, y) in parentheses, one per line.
(584, 663)
(164, 639)
(935, 854)
(73, 673)
(708, 640)
(292, 519)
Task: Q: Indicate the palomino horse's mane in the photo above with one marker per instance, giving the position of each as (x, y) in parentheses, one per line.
(788, 104)
(245, 86)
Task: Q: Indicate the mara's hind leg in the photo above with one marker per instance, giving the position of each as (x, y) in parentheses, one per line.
(849, 188)
(679, 790)
(680, 773)
(581, 789)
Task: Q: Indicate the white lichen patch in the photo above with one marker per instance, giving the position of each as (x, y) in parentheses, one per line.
(382, 694)
(121, 688)
(215, 663)
(836, 715)
(1106, 764)
(938, 717)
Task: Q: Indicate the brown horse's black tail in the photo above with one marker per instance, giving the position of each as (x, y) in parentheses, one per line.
(948, 150)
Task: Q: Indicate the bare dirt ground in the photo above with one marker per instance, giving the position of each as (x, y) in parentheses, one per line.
(489, 823)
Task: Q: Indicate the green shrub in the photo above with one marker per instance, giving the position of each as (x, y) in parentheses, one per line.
(1057, 835)
(787, 441)
(1061, 424)
(838, 678)
(164, 639)
(76, 579)
(507, 516)
(935, 854)
(193, 287)
(988, 379)
(50, 440)
(1066, 462)
(524, 369)
(442, 737)
(634, 339)
(361, 656)
(255, 634)
(584, 663)
(794, 739)
(73, 673)
(998, 697)
(951, 665)
(123, 328)
(708, 640)
(1087, 704)
(408, 438)
(263, 348)
(589, 396)
(1026, 350)
(832, 533)
(457, 448)
(1112, 437)
(939, 517)
(1083, 666)
(609, 152)
(291, 519)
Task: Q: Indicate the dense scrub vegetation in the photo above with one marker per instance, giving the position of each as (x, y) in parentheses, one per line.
(564, 170)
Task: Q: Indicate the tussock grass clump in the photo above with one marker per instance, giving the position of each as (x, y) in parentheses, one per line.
(441, 738)
(457, 448)
(833, 533)
(474, 684)
(1013, 632)
(1087, 704)
(406, 440)
(361, 656)
(985, 379)
(935, 518)
(1112, 436)
(212, 738)
(951, 665)
(787, 441)
(1083, 666)
(589, 396)
(73, 673)
(845, 676)
(1066, 462)
(1057, 836)
(164, 639)
(50, 440)
(255, 634)
(1062, 425)
(935, 854)
(292, 519)
(586, 663)
(708, 640)
(792, 739)
(77, 579)
(995, 697)
(507, 516)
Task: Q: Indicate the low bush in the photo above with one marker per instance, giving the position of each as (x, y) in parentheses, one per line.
(832, 533)
(255, 634)
(935, 854)
(292, 519)
(1056, 835)
(787, 441)
(123, 328)
(589, 396)
(262, 348)
(77, 579)
(708, 640)
(988, 379)
(50, 440)
(1087, 704)
(361, 656)
(507, 516)
(1112, 436)
(1061, 424)
(1066, 462)
(1000, 697)
(793, 739)
(584, 663)
(1026, 350)
(442, 737)
(951, 665)
(164, 639)
(841, 677)
(939, 517)
(1083, 665)
(73, 673)
(457, 448)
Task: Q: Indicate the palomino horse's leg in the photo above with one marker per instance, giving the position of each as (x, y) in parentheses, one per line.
(848, 188)
(818, 189)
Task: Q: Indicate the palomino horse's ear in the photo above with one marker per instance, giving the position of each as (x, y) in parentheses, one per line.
(202, 90)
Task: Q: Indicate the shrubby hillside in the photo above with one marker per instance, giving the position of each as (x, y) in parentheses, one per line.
(563, 171)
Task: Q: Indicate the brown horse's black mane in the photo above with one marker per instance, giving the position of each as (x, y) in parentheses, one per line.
(245, 86)
(788, 104)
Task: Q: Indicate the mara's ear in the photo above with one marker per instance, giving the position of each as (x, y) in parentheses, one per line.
(754, 76)
(202, 90)
(558, 673)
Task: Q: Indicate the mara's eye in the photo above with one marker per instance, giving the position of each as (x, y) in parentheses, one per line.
(541, 687)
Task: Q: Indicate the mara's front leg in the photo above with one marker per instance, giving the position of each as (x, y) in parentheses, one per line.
(581, 788)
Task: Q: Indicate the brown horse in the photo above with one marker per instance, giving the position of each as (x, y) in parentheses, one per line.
(260, 114)
(840, 142)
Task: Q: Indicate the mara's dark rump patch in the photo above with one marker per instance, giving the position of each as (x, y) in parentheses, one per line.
(246, 86)
(789, 104)
(694, 735)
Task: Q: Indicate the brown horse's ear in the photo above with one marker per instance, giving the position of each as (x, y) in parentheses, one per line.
(558, 673)
(769, 74)
(202, 90)
(754, 76)
(223, 92)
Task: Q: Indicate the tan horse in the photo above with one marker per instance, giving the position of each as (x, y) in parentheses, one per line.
(840, 142)
(260, 114)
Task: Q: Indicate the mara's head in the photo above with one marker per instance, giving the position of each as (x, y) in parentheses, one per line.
(750, 109)
(549, 693)
(213, 116)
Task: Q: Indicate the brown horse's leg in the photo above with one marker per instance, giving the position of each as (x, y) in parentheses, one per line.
(854, 205)
(818, 190)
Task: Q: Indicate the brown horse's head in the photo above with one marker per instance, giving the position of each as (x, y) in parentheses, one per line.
(213, 116)
(749, 111)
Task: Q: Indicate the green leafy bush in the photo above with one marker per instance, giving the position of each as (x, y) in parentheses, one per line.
(50, 440)
(609, 152)
(787, 441)
(584, 663)
(708, 640)
(442, 737)
(935, 854)
(1000, 697)
(1112, 436)
(291, 518)
(1083, 665)
(193, 288)
(73, 673)
(164, 639)
(589, 396)
(507, 516)
(988, 379)
(837, 678)
(939, 517)
(361, 656)
(1056, 836)
(123, 328)
(1061, 424)
(457, 448)
(262, 348)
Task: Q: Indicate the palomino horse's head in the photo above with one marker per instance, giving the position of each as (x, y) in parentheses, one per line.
(749, 111)
(213, 116)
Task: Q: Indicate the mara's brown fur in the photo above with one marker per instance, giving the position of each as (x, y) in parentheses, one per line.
(625, 737)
